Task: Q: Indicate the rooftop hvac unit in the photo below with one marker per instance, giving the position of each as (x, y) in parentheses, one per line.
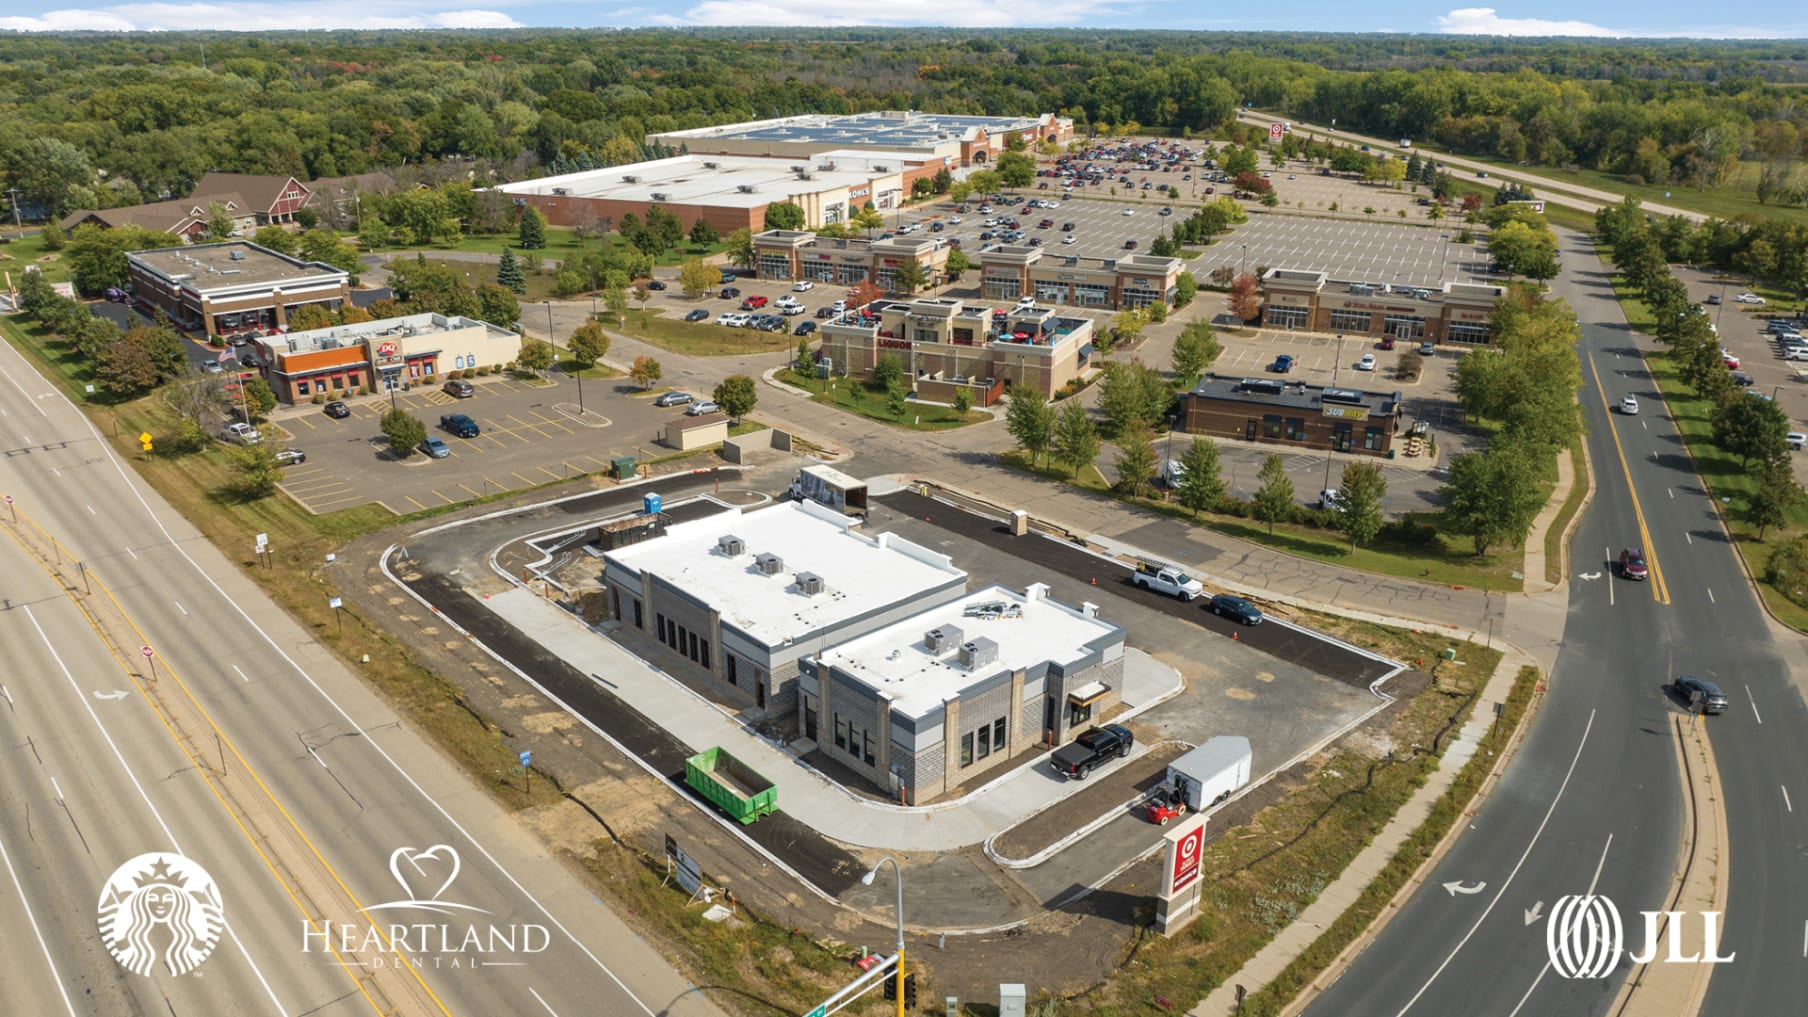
(881, 169)
(768, 563)
(978, 653)
(237, 255)
(731, 545)
(827, 166)
(800, 170)
(630, 180)
(661, 196)
(563, 192)
(709, 165)
(942, 639)
(744, 188)
(810, 584)
(1362, 289)
(1270, 386)
(1345, 396)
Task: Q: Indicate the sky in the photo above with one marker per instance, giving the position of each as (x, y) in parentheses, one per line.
(1593, 18)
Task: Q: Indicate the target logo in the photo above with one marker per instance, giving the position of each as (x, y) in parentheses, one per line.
(1584, 937)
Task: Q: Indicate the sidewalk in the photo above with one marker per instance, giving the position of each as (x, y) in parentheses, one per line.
(804, 793)
(1331, 903)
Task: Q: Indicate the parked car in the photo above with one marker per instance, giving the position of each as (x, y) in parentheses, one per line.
(1166, 579)
(460, 389)
(804, 328)
(1713, 298)
(1070, 239)
(1330, 499)
(656, 285)
(1700, 691)
(459, 424)
(290, 456)
(1749, 298)
(729, 292)
(1367, 363)
(1129, 245)
(1428, 349)
(802, 286)
(435, 448)
(1387, 342)
(338, 410)
(673, 398)
(213, 367)
(1092, 749)
(1129, 211)
(754, 303)
(1282, 364)
(825, 312)
(1235, 608)
(243, 433)
(1797, 440)
(1067, 227)
(1632, 564)
(698, 409)
(697, 315)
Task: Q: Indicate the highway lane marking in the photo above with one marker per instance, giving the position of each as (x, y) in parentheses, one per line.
(1609, 578)
(1786, 798)
(55, 976)
(1689, 539)
(180, 608)
(242, 676)
(530, 989)
(133, 777)
(1754, 703)
(1547, 964)
(1527, 853)
(27, 395)
(91, 511)
(1710, 590)
(1659, 591)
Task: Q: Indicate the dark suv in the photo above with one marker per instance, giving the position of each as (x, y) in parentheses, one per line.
(1632, 564)
(1702, 691)
(1236, 609)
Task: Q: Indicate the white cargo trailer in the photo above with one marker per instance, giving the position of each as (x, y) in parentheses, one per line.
(1211, 772)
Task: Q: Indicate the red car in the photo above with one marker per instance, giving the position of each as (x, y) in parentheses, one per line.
(753, 303)
(1632, 564)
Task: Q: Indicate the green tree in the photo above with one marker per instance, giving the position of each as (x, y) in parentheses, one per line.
(1493, 496)
(1186, 287)
(1076, 440)
(957, 263)
(1029, 420)
(615, 298)
(897, 401)
(277, 239)
(1274, 499)
(1128, 324)
(868, 219)
(1135, 460)
(403, 431)
(509, 272)
(531, 234)
(498, 306)
(50, 172)
(255, 470)
(645, 370)
(1194, 350)
(1751, 428)
(163, 347)
(1133, 395)
(1015, 169)
(1201, 483)
(909, 276)
(259, 400)
(737, 396)
(888, 371)
(805, 362)
(740, 247)
(696, 278)
(1776, 493)
(309, 317)
(784, 215)
(535, 355)
(963, 400)
(96, 257)
(1359, 503)
(589, 344)
(125, 370)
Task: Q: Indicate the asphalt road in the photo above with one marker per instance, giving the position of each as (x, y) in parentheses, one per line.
(1593, 800)
(262, 758)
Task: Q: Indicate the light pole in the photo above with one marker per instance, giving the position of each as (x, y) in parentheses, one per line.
(1167, 462)
(1332, 448)
(867, 880)
(1245, 259)
(1443, 255)
(1720, 305)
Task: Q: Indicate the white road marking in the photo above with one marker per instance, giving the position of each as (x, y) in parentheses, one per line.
(91, 511)
(1547, 964)
(1754, 703)
(1685, 536)
(55, 976)
(1498, 894)
(27, 395)
(242, 677)
(543, 1002)
(133, 553)
(1672, 492)
(1711, 599)
(133, 777)
(1786, 798)
(180, 608)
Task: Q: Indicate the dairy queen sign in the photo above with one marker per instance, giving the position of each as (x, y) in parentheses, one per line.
(386, 353)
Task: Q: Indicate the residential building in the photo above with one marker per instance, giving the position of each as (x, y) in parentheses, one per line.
(1457, 312)
(946, 345)
(1293, 414)
(953, 140)
(1009, 271)
(384, 354)
(271, 199)
(947, 697)
(249, 200)
(738, 598)
(232, 287)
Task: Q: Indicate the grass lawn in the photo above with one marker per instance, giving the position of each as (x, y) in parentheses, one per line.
(1450, 560)
(854, 396)
(1578, 493)
(20, 251)
(1724, 202)
(58, 359)
(705, 338)
(560, 244)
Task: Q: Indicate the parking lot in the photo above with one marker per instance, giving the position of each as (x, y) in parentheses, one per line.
(531, 435)
(1375, 252)
(1742, 332)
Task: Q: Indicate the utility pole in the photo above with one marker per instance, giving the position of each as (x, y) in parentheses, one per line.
(13, 193)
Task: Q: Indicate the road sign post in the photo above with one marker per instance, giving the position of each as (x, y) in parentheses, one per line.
(527, 762)
(10, 507)
(150, 657)
(338, 619)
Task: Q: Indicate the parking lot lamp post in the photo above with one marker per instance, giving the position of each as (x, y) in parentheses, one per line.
(1245, 259)
(1331, 449)
(1719, 306)
(868, 881)
(1443, 255)
(1167, 461)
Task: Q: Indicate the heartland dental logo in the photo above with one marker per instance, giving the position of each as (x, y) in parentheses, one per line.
(424, 876)
(1584, 937)
(161, 907)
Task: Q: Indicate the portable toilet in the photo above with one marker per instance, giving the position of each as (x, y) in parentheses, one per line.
(651, 504)
(1211, 772)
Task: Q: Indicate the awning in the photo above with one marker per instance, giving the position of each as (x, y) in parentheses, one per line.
(1086, 350)
(1088, 694)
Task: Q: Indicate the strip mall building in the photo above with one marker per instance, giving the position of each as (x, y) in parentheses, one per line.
(233, 287)
(379, 355)
(1458, 312)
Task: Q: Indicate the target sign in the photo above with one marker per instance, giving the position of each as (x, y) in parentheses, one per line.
(1189, 848)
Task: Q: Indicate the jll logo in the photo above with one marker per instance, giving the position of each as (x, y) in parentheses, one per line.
(1585, 937)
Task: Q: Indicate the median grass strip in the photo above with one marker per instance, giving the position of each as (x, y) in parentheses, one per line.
(705, 338)
(1578, 493)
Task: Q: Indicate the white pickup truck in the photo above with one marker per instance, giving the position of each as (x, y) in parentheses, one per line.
(1167, 579)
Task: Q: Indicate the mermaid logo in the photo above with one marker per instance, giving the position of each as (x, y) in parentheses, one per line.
(160, 908)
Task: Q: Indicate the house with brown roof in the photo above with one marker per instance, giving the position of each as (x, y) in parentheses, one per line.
(273, 199)
(185, 217)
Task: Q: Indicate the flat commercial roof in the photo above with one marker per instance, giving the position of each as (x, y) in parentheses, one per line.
(335, 336)
(231, 264)
(860, 574)
(1028, 629)
(883, 128)
(729, 181)
(1293, 394)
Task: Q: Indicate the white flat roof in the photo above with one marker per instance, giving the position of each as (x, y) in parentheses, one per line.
(718, 179)
(895, 661)
(861, 574)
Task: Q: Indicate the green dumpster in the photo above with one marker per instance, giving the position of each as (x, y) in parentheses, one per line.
(731, 784)
(622, 467)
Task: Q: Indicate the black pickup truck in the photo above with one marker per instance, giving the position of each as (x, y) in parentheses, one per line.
(459, 424)
(1094, 748)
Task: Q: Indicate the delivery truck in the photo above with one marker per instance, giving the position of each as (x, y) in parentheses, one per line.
(828, 486)
(732, 785)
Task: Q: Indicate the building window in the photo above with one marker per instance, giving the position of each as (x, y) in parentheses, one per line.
(1285, 317)
(924, 335)
(774, 266)
(301, 388)
(1350, 321)
(1077, 714)
(840, 732)
(866, 744)
(639, 622)
(1296, 429)
(1271, 426)
(1469, 332)
(705, 660)
(985, 740)
(887, 278)
(692, 637)
(733, 666)
(1135, 297)
(1051, 292)
(1402, 326)
(998, 731)
(848, 275)
(1091, 295)
(820, 271)
(1003, 288)
(967, 749)
(1371, 439)
(661, 619)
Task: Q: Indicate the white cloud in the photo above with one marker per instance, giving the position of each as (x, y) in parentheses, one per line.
(257, 17)
(1484, 21)
(975, 14)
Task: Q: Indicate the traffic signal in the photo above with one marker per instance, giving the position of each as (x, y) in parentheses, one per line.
(891, 987)
(910, 988)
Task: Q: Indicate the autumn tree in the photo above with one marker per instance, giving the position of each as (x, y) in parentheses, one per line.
(645, 370)
(737, 396)
(1245, 298)
(588, 344)
(696, 278)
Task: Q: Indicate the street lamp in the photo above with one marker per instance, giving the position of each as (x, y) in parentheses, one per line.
(1332, 448)
(867, 880)
(1167, 462)
(1443, 255)
(1722, 304)
(1245, 259)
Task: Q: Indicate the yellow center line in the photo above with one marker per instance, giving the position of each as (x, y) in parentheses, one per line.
(1659, 591)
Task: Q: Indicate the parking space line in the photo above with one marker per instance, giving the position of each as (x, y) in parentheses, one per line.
(449, 501)
(417, 504)
(549, 473)
(352, 498)
(524, 480)
(474, 494)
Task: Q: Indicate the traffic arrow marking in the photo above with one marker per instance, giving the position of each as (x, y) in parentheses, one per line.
(1590, 575)
(111, 695)
(1456, 887)
(1534, 912)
